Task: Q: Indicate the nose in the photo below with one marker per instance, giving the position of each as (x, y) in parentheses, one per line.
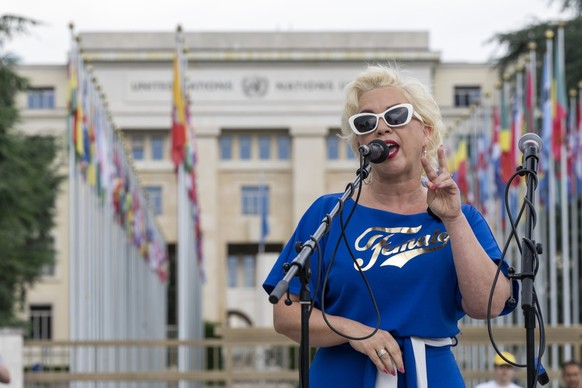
(383, 127)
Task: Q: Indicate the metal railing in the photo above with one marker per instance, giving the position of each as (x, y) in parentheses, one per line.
(242, 358)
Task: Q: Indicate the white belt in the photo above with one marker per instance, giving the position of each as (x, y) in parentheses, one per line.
(386, 380)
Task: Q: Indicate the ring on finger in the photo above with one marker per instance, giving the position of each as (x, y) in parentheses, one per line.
(381, 353)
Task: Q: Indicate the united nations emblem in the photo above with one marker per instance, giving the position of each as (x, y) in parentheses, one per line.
(255, 86)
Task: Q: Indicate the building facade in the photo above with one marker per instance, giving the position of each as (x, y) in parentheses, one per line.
(266, 111)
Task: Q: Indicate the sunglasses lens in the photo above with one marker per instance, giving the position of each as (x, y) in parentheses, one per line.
(397, 116)
(365, 124)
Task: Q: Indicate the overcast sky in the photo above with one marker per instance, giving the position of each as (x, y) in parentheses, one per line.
(459, 29)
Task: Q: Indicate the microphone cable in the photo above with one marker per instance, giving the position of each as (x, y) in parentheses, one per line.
(362, 173)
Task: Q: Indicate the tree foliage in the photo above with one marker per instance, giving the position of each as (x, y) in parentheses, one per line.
(10, 25)
(29, 181)
(575, 5)
(518, 43)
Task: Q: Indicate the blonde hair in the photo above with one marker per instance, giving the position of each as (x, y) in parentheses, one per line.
(378, 76)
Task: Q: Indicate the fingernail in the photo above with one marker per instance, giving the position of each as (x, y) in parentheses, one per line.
(386, 371)
(401, 370)
(393, 373)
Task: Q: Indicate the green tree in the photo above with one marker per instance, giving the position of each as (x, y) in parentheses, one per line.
(571, 5)
(29, 181)
(518, 43)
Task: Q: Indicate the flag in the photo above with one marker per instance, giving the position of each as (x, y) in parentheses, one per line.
(73, 87)
(483, 166)
(506, 138)
(495, 149)
(79, 118)
(571, 147)
(578, 149)
(546, 126)
(560, 100)
(184, 156)
(178, 131)
(460, 161)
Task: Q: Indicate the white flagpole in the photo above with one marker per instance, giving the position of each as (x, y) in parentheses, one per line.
(573, 138)
(74, 207)
(552, 235)
(566, 289)
(578, 176)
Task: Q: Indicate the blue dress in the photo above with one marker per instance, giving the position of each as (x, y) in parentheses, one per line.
(408, 262)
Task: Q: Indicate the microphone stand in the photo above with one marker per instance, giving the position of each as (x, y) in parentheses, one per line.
(528, 276)
(300, 267)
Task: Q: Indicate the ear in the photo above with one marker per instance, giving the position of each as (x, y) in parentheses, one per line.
(427, 130)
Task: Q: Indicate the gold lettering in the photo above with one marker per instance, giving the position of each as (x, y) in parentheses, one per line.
(377, 240)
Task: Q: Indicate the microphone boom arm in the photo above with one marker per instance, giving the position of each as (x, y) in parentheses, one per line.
(298, 262)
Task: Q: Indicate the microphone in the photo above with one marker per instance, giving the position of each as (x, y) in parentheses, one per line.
(376, 151)
(530, 145)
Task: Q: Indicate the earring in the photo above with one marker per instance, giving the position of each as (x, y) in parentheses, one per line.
(424, 151)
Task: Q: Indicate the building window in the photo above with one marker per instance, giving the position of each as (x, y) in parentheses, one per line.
(283, 147)
(157, 147)
(255, 200)
(155, 196)
(41, 98)
(337, 147)
(137, 147)
(226, 147)
(242, 271)
(41, 322)
(249, 271)
(47, 270)
(467, 95)
(232, 268)
(249, 145)
(264, 147)
(244, 147)
(333, 147)
(349, 151)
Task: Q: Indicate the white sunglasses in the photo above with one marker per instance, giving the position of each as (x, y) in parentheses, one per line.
(395, 116)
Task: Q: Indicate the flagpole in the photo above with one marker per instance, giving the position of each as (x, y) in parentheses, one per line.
(73, 204)
(552, 256)
(183, 267)
(573, 138)
(496, 155)
(261, 305)
(566, 289)
(578, 179)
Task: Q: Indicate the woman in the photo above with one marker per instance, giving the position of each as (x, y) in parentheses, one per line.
(428, 258)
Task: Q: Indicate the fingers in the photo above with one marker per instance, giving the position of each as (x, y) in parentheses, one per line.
(388, 359)
(442, 157)
(383, 350)
(440, 178)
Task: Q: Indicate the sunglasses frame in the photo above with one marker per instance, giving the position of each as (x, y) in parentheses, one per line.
(411, 113)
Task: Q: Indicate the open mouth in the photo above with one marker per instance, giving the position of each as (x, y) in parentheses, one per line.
(392, 149)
